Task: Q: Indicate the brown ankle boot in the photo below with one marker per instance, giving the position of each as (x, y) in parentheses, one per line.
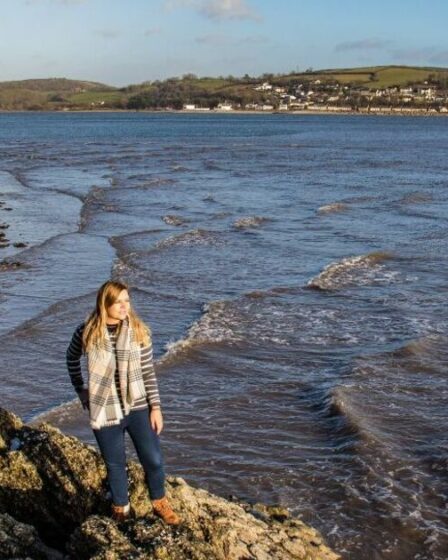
(162, 508)
(120, 514)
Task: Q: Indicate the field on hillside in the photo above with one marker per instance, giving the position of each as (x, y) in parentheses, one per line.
(57, 93)
(382, 76)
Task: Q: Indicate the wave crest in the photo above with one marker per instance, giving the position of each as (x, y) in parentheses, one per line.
(359, 270)
(215, 326)
(193, 237)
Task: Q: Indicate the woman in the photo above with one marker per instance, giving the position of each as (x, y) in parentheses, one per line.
(121, 395)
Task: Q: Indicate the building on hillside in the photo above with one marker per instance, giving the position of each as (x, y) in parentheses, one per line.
(426, 91)
(298, 105)
(265, 86)
(224, 106)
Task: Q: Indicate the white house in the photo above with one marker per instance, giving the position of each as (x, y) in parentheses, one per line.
(189, 107)
(426, 91)
(224, 107)
(265, 86)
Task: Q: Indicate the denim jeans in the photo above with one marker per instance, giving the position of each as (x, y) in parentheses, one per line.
(110, 440)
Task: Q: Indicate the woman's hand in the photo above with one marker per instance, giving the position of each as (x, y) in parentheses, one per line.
(84, 398)
(156, 419)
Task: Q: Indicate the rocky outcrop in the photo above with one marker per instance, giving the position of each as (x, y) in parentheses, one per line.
(54, 505)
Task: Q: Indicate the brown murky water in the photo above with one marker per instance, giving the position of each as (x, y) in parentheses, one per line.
(293, 270)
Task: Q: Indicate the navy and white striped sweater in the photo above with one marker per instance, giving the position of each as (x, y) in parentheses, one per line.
(74, 353)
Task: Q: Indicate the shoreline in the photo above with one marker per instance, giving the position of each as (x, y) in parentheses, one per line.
(55, 506)
(301, 112)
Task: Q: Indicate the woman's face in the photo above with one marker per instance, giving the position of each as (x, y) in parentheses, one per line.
(120, 308)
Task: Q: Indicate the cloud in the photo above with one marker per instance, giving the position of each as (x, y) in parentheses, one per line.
(415, 55)
(426, 55)
(254, 40)
(108, 33)
(220, 39)
(228, 9)
(218, 10)
(363, 45)
(213, 39)
(62, 2)
(152, 31)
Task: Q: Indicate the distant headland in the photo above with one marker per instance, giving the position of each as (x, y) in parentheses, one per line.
(376, 90)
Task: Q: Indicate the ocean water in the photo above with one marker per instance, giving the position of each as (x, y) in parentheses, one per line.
(293, 271)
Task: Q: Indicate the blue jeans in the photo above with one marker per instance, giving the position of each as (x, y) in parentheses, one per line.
(110, 440)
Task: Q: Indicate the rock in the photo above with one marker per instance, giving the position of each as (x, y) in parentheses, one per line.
(20, 540)
(9, 425)
(56, 485)
(250, 222)
(96, 536)
(173, 220)
(10, 265)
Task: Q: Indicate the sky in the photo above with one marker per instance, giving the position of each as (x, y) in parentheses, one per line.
(120, 42)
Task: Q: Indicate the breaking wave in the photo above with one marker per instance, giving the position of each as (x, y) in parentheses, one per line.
(333, 207)
(356, 270)
(216, 325)
(193, 237)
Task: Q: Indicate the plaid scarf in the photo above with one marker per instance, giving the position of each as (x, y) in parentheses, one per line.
(104, 403)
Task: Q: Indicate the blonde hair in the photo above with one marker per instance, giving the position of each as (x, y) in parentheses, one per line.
(95, 323)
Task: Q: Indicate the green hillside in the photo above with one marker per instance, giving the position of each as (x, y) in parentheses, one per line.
(53, 85)
(61, 93)
(382, 76)
(46, 93)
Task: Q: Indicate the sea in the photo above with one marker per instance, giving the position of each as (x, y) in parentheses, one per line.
(293, 271)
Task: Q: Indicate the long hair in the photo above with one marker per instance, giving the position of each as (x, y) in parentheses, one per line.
(95, 323)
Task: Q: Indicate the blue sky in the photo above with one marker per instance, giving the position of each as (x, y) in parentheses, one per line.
(119, 42)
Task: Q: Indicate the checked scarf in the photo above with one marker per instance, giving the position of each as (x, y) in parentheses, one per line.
(104, 403)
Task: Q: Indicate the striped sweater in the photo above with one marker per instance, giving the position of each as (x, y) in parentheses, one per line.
(74, 353)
